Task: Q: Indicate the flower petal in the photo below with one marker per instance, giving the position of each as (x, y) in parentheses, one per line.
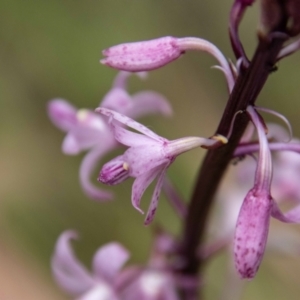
(86, 170)
(291, 216)
(68, 272)
(121, 79)
(144, 158)
(129, 138)
(62, 114)
(154, 201)
(140, 184)
(100, 292)
(70, 145)
(149, 102)
(117, 99)
(130, 123)
(108, 261)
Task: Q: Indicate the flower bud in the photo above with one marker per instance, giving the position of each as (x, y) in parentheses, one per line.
(275, 14)
(251, 232)
(142, 56)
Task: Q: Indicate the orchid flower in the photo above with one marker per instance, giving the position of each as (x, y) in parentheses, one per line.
(258, 206)
(152, 285)
(75, 279)
(156, 281)
(148, 157)
(88, 131)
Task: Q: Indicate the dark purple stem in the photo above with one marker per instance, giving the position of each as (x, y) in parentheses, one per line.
(247, 88)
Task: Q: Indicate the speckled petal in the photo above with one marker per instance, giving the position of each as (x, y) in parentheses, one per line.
(140, 185)
(155, 197)
(68, 272)
(108, 261)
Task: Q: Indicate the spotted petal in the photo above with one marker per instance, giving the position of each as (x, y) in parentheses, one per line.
(140, 185)
(154, 201)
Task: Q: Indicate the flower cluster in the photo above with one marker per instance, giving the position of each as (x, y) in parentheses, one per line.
(248, 211)
(109, 280)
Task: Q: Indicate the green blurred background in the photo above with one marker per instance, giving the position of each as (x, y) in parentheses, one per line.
(51, 49)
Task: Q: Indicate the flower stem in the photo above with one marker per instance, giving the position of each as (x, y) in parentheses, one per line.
(246, 89)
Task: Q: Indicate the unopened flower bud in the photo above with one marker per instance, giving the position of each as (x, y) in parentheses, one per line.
(275, 14)
(293, 11)
(251, 232)
(142, 56)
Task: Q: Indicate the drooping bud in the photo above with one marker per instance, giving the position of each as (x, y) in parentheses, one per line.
(279, 15)
(114, 172)
(293, 10)
(271, 16)
(142, 56)
(251, 233)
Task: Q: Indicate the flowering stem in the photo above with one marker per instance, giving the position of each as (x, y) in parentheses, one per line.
(247, 88)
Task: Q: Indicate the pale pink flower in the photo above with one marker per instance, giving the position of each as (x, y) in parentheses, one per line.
(75, 279)
(86, 130)
(148, 157)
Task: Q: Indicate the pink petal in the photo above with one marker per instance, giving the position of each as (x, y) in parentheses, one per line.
(69, 273)
(108, 261)
(62, 114)
(291, 216)
(155, 197)
(130, 123)
(117, 99)
(140, 184)
(129, 138)
(149, 102)
(70, 145)
(142, 159)
(86, 170)
(121, 79)
(100, 292)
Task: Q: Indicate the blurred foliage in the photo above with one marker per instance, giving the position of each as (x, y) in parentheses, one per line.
(51, 49)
